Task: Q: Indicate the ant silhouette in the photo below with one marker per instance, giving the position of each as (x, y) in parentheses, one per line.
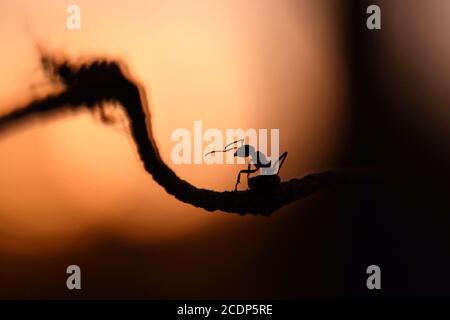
(257, 158)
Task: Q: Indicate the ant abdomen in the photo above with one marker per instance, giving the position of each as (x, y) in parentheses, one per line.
(264, 184)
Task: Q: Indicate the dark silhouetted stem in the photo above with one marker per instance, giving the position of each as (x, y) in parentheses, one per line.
(131, 97)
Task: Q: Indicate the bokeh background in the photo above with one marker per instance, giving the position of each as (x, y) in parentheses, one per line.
(73, 190)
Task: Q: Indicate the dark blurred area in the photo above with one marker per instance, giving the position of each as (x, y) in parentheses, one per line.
(319, 247)
(404, 224)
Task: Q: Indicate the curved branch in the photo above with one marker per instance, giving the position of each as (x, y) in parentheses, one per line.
(88, 86)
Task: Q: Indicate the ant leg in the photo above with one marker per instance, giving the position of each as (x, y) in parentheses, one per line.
(238, 181)
(239, 176)
(281, 161)
(248, 172)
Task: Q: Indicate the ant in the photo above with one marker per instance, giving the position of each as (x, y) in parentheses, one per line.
(257, 158)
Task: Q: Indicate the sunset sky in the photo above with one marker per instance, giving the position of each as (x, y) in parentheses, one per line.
(73, 189)
(231, 64)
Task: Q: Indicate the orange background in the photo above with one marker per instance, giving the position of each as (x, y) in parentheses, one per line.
(231, 64)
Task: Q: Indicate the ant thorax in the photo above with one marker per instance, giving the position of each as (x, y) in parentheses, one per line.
(258, 158)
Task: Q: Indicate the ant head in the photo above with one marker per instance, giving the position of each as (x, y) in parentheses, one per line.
(242, 151)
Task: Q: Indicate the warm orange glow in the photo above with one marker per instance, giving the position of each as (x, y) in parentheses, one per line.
(231, 64)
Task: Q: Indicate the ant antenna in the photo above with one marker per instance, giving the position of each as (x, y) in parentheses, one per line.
(225, 149)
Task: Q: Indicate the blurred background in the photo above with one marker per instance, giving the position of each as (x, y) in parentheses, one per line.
(73, 190)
